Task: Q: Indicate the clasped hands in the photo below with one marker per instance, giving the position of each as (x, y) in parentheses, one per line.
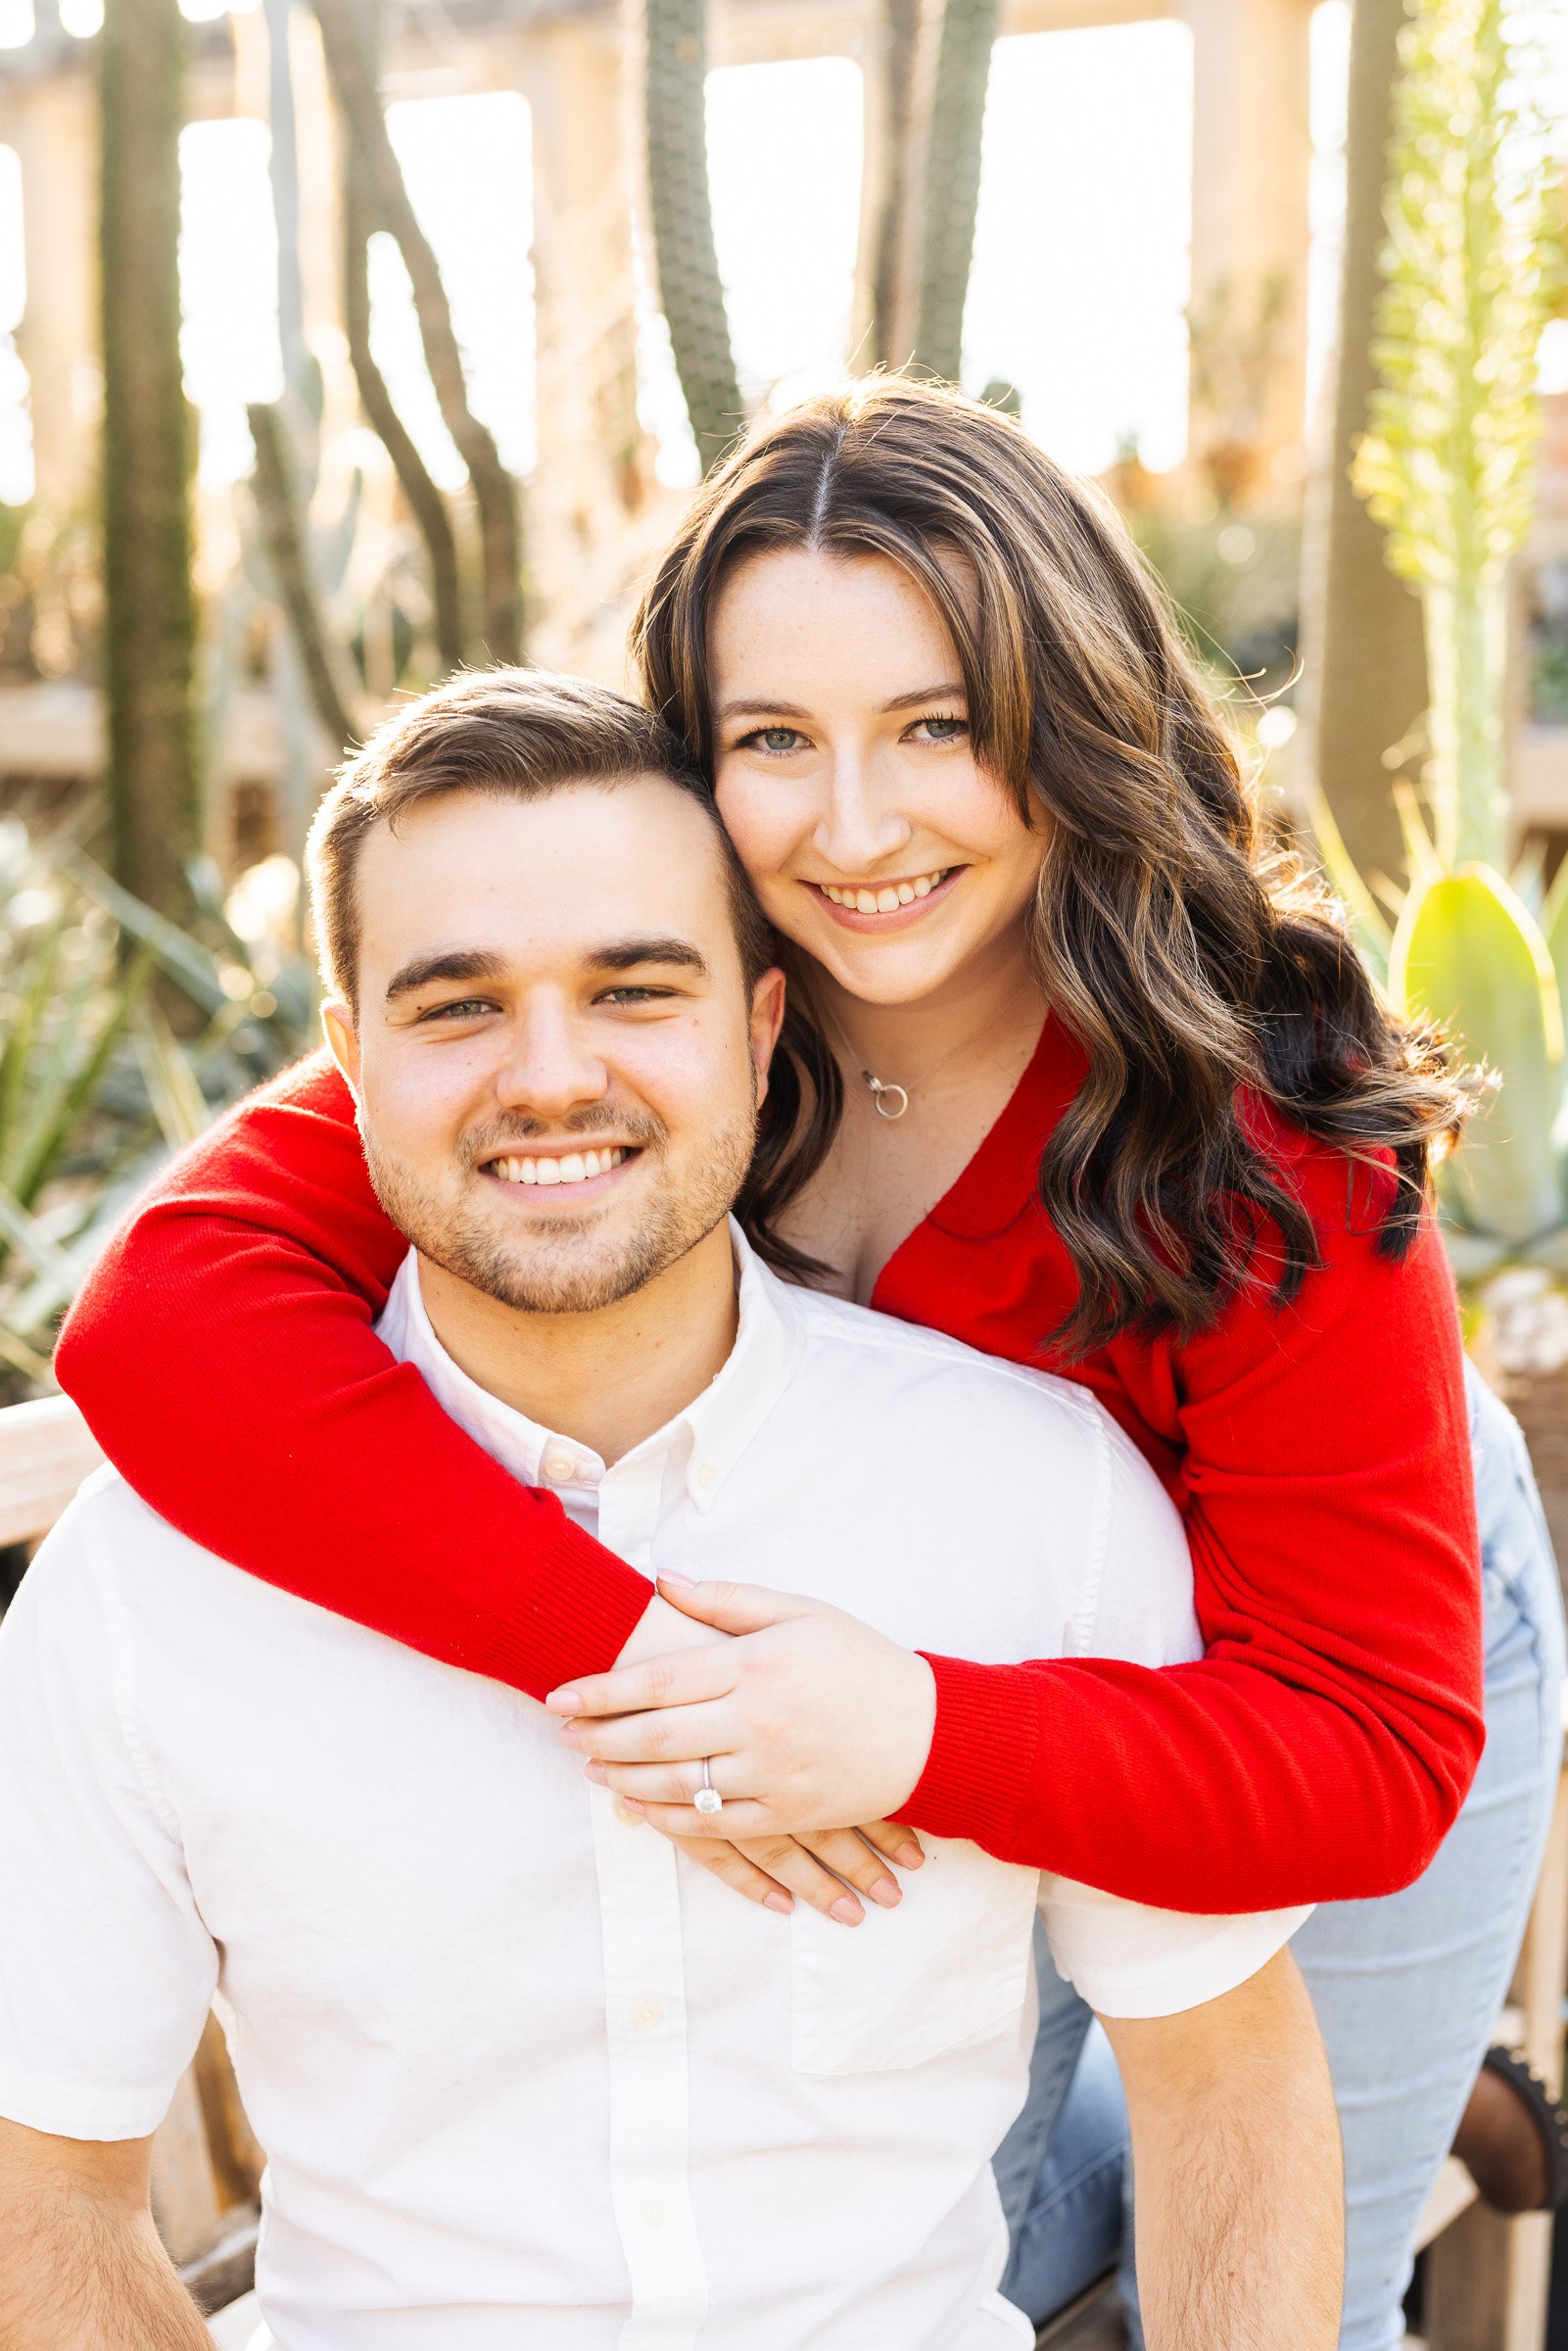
(815, 1727)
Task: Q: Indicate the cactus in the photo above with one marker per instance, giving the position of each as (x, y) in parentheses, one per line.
(1448, 464)
(149, 605)
(1446, 469)
(674, 49)
(951, 186)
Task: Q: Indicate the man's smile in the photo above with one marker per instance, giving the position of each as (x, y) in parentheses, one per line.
(551, 1168)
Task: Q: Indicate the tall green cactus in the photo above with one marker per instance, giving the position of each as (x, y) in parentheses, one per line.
(950, 198)
(1447, 466)
(1447, 469)
(690, 291)
(150, 603)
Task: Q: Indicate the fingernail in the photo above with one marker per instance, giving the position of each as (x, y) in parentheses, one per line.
(885, 1891)
(565, 1702)
(599, 1775)
(628, 1807)
(682, 1583)
(779, 1900)
(567, 1734)
(909, 1856)
(847, 1911)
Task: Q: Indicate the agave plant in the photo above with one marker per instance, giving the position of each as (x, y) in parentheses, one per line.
(1447, 468)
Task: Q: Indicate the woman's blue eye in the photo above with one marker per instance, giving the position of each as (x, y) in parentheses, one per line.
(943, 729)
(770, 739)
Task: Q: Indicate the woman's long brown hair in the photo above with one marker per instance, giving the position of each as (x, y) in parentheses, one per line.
(1195, 964)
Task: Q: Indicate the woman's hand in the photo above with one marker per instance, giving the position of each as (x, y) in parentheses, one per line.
(809, 1719)
(830, 1870)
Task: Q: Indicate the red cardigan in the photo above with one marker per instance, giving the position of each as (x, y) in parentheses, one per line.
(1319, 1453)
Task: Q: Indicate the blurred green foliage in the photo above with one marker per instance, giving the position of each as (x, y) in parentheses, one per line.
(123, 1037)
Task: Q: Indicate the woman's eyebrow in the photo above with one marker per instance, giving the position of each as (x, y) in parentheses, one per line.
(752, 707)
(945, 693)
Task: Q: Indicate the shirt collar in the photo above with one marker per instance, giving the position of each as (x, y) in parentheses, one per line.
(714, 1429)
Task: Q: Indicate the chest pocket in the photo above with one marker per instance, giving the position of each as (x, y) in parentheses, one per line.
(952, 1959)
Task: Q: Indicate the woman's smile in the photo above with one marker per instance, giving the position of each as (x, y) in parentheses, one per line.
(883, 906)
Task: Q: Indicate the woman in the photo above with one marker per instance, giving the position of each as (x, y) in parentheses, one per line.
(1076, 1073)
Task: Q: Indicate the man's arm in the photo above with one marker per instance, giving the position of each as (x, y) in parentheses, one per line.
(79, 2258)
(1240, 2176)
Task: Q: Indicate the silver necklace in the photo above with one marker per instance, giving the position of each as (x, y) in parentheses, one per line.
(888, 1099)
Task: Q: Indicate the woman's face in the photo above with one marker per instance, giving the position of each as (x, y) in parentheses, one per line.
(844, 774)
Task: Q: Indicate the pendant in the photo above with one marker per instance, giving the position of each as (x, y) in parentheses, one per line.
(883, 1096)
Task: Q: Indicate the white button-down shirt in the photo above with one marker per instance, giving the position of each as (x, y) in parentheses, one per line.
(524, 2073)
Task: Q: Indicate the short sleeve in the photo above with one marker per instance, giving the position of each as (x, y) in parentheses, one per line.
(1128, 1960)
(106, 1968)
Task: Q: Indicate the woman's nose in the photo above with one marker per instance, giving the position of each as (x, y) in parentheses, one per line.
(859, 827)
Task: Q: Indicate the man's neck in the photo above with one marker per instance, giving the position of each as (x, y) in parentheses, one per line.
(609, 1378)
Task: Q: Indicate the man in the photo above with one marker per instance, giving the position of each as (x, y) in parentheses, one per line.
(524, 2074)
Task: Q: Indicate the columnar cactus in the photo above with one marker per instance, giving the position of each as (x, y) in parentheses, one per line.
(691, 292)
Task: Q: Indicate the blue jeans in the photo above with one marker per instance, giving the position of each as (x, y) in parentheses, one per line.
(1406, 1988)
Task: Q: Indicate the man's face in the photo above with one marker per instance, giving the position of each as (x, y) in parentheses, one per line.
(558, 1062)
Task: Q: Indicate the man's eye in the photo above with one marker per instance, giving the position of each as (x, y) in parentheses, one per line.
(637, 995)
(940, 730)
(466, 1008)
(772, 739)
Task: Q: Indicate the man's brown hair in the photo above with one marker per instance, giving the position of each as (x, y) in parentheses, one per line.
(522, 733)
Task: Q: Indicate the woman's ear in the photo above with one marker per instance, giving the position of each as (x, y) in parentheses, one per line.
(343, 1042)
(767, 1019)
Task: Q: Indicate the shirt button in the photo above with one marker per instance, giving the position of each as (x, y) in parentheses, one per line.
(559, 1468)
(647, 2014)
(708, 1477)
(655, 2211)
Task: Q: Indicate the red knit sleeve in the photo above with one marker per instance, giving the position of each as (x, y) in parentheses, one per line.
(223, 1354)
(1323, 1746)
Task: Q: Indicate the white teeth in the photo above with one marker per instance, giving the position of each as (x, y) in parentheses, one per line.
(889, 897)
(576, 1167)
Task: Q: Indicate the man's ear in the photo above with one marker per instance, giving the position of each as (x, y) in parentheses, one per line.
(342, 1042)
(767, 1019)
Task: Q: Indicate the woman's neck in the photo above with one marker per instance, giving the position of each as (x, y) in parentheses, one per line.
(981, 1006)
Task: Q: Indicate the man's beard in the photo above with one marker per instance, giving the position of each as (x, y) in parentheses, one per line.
(565, 1270)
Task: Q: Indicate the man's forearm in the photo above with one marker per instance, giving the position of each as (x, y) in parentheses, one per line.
(1240, 2175)
(81, 2272)
(1240, 2235)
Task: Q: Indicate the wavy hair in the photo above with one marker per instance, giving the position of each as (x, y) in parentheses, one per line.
(1201, 968)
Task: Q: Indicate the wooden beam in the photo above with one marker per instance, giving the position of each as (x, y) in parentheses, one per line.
(46, 1449)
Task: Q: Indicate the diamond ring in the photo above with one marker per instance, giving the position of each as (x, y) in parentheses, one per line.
(707, 1797)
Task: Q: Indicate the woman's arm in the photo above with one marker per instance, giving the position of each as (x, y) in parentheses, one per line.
(1323, 1746)
(1320, 1748)
(223, 1354)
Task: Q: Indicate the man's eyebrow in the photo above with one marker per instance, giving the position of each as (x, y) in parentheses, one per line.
(751, 706)
(628, 954)
(447, 963)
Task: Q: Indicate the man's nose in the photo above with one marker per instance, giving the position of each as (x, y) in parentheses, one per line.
(861, 826)
(551, 1066)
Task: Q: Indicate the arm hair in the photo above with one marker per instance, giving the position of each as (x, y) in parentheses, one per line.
(1239, 2171)
(81, 2262)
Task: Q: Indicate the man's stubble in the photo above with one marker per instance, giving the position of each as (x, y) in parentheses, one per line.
(563, 1271)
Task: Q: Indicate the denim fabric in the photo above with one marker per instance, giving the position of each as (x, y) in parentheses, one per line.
(1406, 1988)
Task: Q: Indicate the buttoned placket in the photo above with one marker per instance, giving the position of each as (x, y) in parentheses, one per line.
(646, 2015)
